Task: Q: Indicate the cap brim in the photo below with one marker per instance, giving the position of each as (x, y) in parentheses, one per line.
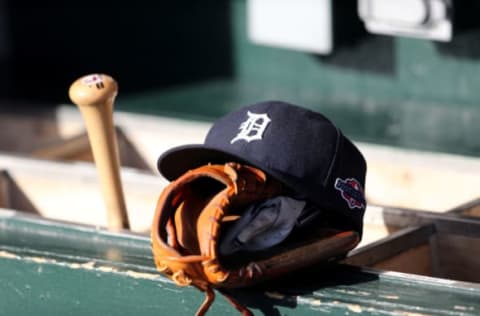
(176, 161)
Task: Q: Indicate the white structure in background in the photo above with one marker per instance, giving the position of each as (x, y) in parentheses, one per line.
(304, 25)
(428, 19)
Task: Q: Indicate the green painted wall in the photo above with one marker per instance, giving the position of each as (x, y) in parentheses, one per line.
(397, 91)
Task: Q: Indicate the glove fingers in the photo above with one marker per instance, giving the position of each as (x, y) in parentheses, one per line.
(185, 220)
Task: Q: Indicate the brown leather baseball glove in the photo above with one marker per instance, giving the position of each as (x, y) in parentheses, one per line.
(195, 210)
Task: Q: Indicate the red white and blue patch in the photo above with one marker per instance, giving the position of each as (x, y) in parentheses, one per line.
(351, 191)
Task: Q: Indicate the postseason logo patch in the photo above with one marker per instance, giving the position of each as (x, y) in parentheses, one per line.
(351, 191)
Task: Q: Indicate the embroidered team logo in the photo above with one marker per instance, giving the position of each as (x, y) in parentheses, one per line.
(351, 191)
(253, 127)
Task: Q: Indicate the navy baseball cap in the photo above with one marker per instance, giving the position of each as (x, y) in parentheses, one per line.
(301, 148)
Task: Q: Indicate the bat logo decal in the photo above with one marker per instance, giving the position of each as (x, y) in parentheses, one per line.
(96, 80)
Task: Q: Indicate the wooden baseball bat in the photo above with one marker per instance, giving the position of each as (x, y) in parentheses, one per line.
(94, 95)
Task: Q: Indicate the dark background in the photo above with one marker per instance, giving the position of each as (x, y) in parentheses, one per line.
(194, 59)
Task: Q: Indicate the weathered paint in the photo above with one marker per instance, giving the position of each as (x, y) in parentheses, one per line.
(77, 279)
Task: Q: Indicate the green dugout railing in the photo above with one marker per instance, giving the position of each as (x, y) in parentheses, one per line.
(54, 268)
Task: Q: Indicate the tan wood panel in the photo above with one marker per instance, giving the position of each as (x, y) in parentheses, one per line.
(457, 257)
(416, 260)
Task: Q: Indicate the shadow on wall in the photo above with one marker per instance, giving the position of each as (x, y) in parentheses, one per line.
(357, 56)
(465, 43)
(147, 45)
(354, 46)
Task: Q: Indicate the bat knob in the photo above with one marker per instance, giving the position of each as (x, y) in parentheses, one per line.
(93, 90)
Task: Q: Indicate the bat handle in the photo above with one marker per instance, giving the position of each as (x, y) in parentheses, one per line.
(94, 95)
